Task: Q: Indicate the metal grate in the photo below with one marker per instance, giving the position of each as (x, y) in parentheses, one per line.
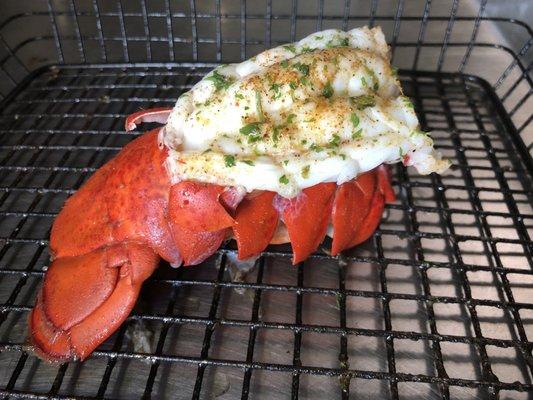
(438, 304)
(455, 251)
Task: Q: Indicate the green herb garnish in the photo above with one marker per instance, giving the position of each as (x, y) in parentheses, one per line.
(284, 63)
(316, 148)
(364, 101)
(303, 68)
(408, 103)
(275, 88)
(283, 179)
(290, 47)
(249, 162)
(305, 171)
(335, 141)
(290, 118)
(239, 96)
(355, 119)
(258, 106)
(220, 81)
(357, 134)
(327, 90)
(275, 133)
(229, 160)
(251, 128)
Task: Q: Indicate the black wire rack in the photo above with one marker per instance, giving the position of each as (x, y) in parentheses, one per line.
(438, 304)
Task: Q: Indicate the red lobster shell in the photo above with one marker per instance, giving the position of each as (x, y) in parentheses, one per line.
(110, 235)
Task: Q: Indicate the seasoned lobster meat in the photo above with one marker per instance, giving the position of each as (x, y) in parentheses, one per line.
(286, 147)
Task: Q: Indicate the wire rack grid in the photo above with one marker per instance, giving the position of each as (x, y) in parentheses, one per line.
(436, 305)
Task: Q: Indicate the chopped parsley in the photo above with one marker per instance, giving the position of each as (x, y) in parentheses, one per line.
(303, 68)
(338, 42)
(239, 96)
(355, 119)
(372, 74)
(284, 63)
(305, 171)
(327, 90)
(306, 49)
(249, 162)
(363, 81)
(207, 151)
(290, 47)
(254, 138)
(290, 118)
(258, 106)
(220, 81)
(315, 147)
(293, 85)
(229, 160)
(364, 101)
(275, 88)
(251, 128)
(275, 133)
(252, 131)
(408, 103)
(358, 134)
(335, 141)
(303, 141)
(285, 162)
(343, 156)
(283, 179)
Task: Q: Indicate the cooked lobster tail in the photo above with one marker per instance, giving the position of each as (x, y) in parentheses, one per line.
(109, 236)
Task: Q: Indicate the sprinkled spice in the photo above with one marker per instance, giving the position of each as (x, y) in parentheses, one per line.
(283, 179)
